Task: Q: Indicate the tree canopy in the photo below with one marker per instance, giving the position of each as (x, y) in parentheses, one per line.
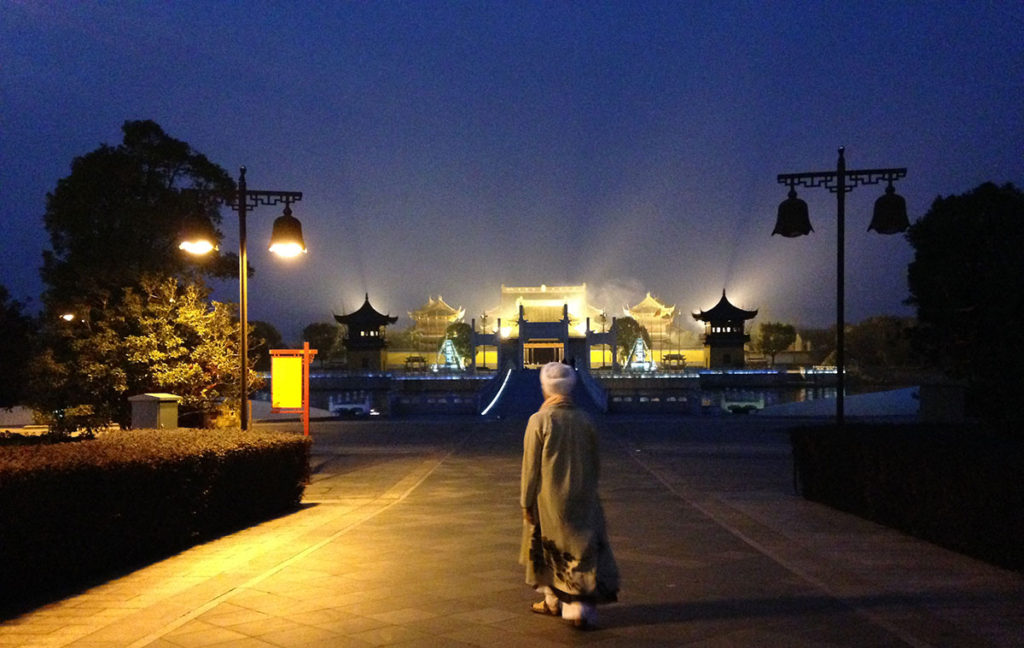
(119, 214)
(967, 282)
(325, 337)
(627, 330)
(161, 337)
(16, 330)
(774, 337)
(461, 335)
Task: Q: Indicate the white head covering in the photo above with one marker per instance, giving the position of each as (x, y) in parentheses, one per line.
(557, 378)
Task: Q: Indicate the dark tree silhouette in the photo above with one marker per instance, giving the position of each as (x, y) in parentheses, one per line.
(120, 212)
(774, 337)
(967, 283)
(15, 349)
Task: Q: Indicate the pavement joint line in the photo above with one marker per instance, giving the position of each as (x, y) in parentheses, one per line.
(390, 497)
(707, 505)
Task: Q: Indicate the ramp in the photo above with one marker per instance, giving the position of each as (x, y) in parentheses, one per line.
(519, 396)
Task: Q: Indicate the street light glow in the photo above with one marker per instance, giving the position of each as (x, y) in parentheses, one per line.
(198, 248)
(287, 250)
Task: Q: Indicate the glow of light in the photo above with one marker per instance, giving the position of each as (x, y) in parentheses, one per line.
(506, 331)
(67, 317)
(497, 396)
(197, 248)
(287, 250)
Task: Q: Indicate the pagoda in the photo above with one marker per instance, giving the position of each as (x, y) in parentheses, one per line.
(656, 317)
(724, 336)
(431, 321)
(365, 340)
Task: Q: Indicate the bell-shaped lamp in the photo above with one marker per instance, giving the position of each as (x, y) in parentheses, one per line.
(890, 215)
(286, 239)
(198, 236)
(793, 219)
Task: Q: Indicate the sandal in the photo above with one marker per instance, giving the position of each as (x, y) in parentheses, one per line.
(541, 607)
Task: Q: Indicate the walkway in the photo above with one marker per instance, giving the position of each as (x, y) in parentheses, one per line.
(409, 537)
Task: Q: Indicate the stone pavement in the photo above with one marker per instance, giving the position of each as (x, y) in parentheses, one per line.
(409, 535)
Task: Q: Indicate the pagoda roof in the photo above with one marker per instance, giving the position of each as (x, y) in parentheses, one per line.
(724, 311)
(652, 306)
(437, 308)
(365, 317)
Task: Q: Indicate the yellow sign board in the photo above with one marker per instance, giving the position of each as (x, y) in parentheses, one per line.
(286, 382)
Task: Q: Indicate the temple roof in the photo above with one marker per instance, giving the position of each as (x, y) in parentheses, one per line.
(724, 311)
(651, 306)
(437, 308)
(366, 317)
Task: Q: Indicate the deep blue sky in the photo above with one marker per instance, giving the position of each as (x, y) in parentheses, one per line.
(450, 147)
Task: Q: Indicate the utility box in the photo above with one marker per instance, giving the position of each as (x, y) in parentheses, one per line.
(159, 411)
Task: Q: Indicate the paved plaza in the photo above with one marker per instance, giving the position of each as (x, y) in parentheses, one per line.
(409, 531)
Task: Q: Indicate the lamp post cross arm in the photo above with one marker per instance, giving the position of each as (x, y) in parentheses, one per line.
(851, 178)
(256, 197)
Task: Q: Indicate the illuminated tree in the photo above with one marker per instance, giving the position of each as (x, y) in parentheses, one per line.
(774, 337)
(461, 335)
(160, 337)
(627, 330)
(967, 282)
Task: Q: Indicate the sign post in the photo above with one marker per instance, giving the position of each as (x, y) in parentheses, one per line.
(289, 382)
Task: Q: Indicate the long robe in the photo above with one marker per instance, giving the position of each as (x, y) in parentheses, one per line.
(567, 549)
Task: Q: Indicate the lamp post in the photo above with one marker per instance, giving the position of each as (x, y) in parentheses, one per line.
(890, 217)
(285, 240)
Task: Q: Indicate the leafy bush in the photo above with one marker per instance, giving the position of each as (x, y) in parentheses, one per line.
(958, 487)
(71, 511)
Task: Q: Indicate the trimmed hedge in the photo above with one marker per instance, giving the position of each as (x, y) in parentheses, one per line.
(74, 511)
(958, 487)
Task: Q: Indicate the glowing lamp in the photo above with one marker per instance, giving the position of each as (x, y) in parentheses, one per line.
(890, 216)
(198, 237)
(286, 239)
(68, 317)
(793, 219)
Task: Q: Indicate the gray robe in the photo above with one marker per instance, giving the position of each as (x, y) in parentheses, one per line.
(567, 549)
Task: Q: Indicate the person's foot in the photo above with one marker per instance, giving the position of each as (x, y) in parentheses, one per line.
(541, 607)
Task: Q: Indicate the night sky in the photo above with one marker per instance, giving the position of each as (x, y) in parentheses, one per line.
(449, 147)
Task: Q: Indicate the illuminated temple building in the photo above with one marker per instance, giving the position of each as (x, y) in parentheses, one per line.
(533, 325)
(431, 320)
(724, 337)
(365, 339)
(656, 317)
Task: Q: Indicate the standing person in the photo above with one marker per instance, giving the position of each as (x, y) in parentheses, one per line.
(565, 545)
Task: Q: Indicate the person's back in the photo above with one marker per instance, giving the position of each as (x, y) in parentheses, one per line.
(565, 545)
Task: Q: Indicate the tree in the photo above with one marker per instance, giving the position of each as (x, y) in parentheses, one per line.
(161, 337)
(264, 338)
(967, 283)
(822, 343)
(15, 349)
(880, 342)
(325, 337)
(774, 337)
(461, 335)
(627, 330)
(119, 214)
